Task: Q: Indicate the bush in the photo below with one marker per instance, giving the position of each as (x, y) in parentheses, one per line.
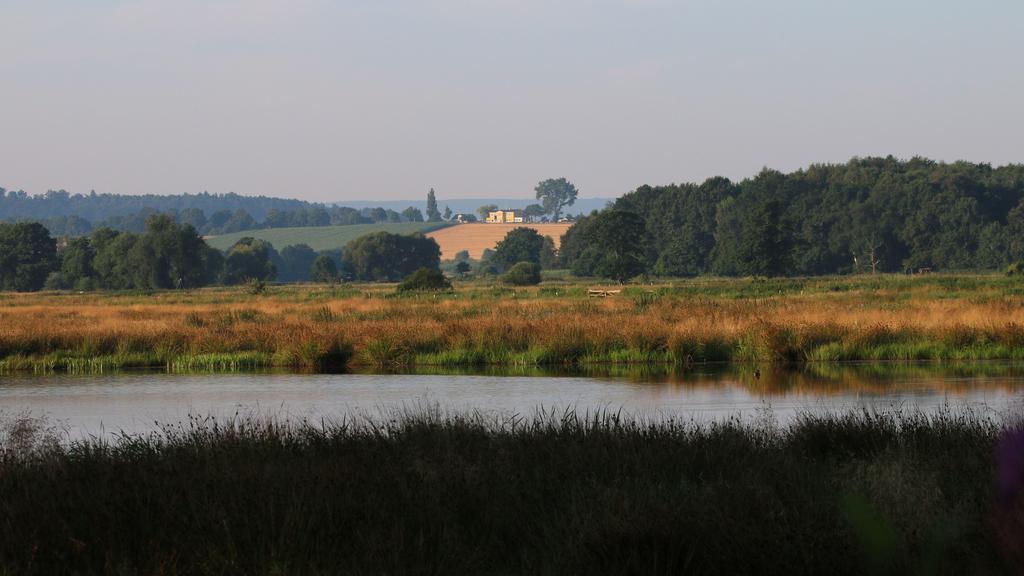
(425, 279)
(523, 274)
(1015, 269)
(255, 286)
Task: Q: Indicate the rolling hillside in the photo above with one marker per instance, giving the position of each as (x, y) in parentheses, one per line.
(477, 237)
(452, 238)
(321, 237)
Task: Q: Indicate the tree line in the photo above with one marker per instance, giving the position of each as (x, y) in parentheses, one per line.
(97, 208)
(227, 222)
(868, 215)
(168, 254)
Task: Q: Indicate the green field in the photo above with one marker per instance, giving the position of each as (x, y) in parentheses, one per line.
(321, 237)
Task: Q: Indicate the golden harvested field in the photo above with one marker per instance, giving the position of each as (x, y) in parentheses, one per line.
(477, 237)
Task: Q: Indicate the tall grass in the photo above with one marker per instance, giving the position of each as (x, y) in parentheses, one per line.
(234, 362)
(678, 324)
(558, 493)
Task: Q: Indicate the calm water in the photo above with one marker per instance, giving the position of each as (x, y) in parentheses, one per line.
(97, 405)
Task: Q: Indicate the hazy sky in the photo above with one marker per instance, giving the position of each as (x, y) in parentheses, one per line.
(382, 99)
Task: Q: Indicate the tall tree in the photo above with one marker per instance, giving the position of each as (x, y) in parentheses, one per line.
(27, 256)
(555, 194)
(519, 245)
(433, 214)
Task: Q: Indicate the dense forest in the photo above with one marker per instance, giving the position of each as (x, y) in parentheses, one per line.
(868, 215)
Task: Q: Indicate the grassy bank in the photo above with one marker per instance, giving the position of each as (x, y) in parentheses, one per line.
(561, 494)
(894, 318)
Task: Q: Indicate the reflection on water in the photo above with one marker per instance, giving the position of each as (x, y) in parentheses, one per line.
(774, 380)
(136, 402)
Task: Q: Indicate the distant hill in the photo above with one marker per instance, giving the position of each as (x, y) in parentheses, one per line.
(16, 205)
(469, 205)
(321, 237)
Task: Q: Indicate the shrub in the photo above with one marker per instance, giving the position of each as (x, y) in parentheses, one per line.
(1015, 269)
(425, 279)
(255, 286)
(523, 274)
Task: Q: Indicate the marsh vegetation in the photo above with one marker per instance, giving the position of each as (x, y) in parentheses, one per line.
(479, 324)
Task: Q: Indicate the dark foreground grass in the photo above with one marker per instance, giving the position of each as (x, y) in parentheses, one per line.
(430, 494)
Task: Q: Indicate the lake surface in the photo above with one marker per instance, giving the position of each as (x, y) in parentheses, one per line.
(134, 403)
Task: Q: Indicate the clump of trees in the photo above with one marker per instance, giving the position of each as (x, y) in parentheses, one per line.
(389, 257)
(165, 255)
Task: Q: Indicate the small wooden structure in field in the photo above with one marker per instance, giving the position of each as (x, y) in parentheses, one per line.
(601, 293)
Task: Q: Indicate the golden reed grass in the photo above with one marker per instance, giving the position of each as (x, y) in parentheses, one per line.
(297, 326)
